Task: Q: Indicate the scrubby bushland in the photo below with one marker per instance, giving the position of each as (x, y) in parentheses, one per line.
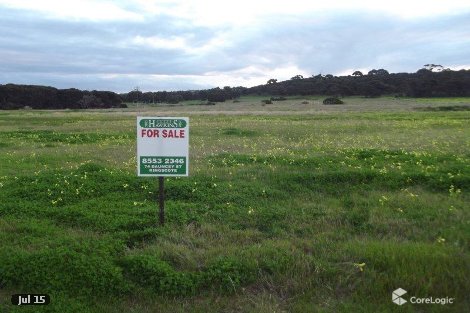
(423, 83)
(210, 95)
(42, 97)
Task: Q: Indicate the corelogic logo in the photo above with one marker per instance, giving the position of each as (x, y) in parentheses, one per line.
(396, 296)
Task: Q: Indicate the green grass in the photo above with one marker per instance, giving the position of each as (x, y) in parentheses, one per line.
(447, 108)
(322, 212)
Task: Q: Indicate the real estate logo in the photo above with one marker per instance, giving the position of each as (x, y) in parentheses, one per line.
(396, 296)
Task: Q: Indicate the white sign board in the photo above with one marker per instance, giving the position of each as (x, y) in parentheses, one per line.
(162, 146)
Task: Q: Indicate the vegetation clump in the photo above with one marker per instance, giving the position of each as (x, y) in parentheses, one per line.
(332, 100)
(14, 97)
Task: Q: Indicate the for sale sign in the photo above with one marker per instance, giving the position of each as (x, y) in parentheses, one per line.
(162, 146)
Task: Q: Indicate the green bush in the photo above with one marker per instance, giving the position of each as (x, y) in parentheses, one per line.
(332, 100)
(61, 270)
(357, 217)
(228, 274)
(224, 274)
(149, 271)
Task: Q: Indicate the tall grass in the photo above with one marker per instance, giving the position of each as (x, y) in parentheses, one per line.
(313, 213)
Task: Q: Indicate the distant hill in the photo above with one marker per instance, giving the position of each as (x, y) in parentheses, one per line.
(423, 83)
(41, 97)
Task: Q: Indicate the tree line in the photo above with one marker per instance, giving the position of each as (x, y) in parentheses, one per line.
(209, 95)
(423, 83)
(426, 82)
(431, 81)
(42, 97)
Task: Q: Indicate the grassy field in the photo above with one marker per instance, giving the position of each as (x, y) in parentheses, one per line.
(289, 207)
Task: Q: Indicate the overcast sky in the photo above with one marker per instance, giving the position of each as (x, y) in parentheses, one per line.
(194, 44)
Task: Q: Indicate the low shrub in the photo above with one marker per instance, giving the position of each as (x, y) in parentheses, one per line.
(228, 274)
(224, 275)
(332, 100)
(149, 271)
(61, 270)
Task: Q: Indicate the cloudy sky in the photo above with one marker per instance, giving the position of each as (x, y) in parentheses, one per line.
(194, 44)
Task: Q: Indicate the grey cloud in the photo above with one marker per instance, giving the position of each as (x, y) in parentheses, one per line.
(358, 40)
(56, 46)
(62, 53)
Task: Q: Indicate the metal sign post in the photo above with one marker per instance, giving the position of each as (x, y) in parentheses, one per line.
(161, 199)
